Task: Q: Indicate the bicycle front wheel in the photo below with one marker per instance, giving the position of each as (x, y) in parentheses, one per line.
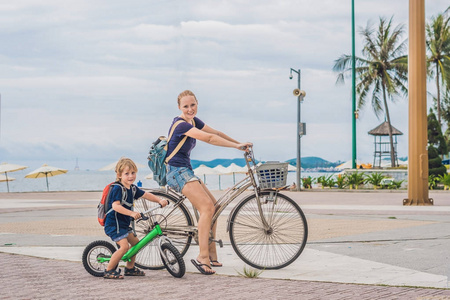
(274, 247)
(172, 260)
(174, 223)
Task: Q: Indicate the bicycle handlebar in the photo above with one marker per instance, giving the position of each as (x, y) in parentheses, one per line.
(144, 217)
(248, 154)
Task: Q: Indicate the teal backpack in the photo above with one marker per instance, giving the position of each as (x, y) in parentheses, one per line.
(157, 159)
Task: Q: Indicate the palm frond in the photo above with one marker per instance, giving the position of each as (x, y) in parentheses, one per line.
(340, 79)
(342, 63)
(382, 67)
(376, 101)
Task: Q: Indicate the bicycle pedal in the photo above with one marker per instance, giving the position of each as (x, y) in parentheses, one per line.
(219, 242)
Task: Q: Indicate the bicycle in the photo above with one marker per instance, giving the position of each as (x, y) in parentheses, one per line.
(98, 253)
(267, 229)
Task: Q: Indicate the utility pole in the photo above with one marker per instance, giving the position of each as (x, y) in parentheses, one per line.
(301, 127)
(417, 144)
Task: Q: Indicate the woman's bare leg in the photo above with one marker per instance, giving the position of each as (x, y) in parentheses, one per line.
(202, 202)
(212, 246)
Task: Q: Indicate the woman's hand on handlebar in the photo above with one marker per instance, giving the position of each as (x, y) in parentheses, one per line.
(244, 146)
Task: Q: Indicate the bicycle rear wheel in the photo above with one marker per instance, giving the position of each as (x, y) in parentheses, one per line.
(174, 223)
(91, 255)
(276, 247)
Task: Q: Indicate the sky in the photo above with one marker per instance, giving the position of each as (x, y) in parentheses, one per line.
(91, 81)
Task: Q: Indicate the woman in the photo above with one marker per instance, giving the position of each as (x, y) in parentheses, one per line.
(180, 175)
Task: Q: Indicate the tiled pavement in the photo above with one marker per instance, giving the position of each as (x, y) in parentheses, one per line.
(25, 277)
(365, 238)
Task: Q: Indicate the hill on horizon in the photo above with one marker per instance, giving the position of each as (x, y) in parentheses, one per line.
(307, 162)
(311, 162)
(218, 161)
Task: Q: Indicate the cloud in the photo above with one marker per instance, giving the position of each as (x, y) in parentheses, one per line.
(99, 79)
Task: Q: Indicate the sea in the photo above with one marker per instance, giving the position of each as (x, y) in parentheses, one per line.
(89, 180)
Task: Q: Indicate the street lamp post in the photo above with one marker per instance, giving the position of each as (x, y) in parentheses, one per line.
(300, 126)
(354, 111)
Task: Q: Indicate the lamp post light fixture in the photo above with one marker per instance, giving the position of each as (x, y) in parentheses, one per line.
(301, 127)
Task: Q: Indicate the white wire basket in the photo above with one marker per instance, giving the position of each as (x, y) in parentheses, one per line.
(272, 175)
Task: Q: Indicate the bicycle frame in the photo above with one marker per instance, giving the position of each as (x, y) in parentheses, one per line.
(234, 192)
(258, 224)
(156, 231)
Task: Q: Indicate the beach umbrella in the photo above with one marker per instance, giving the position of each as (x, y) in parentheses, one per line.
(235, 169)
(348, 165)
(112, 166)
(5, 178)
(221, 170)
(45, 171)
(385, 163)
(7, 168)
(204, 170)
(291, 168)
(405, 162)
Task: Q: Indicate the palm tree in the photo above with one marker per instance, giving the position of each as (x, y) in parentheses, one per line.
(445, 102)
(382, 72)
(438, 44)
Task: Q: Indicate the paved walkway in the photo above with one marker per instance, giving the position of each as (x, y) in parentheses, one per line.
(362, 245)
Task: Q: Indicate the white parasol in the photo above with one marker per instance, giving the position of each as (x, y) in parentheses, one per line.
(235, 169)
(6, 167)
(205, 170)
(112, 166)
(45, 171)
(4, 178)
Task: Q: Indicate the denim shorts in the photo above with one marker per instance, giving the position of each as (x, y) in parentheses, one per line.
(177, 177)
(123, 236)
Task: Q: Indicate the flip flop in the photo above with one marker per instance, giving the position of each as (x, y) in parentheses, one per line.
(216, 266)
(199, 266)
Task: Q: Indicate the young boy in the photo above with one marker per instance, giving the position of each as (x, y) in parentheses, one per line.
(117, 222)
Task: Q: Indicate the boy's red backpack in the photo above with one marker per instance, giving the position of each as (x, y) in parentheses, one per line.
(103, 205)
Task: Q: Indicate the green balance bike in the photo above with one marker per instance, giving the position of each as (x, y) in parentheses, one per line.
(98, 253)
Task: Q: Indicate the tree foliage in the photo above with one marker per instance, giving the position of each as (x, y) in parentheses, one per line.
(382, 73)
(446, 115)
(435, 136)
(436, 146)
(438, 45)
(435, 166)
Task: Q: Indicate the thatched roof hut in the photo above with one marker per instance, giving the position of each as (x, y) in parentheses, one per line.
(383, 129)
(382, 148)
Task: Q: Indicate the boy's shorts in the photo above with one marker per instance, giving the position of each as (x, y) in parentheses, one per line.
(122, 236)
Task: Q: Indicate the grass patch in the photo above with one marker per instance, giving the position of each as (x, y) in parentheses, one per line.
(250, 273)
